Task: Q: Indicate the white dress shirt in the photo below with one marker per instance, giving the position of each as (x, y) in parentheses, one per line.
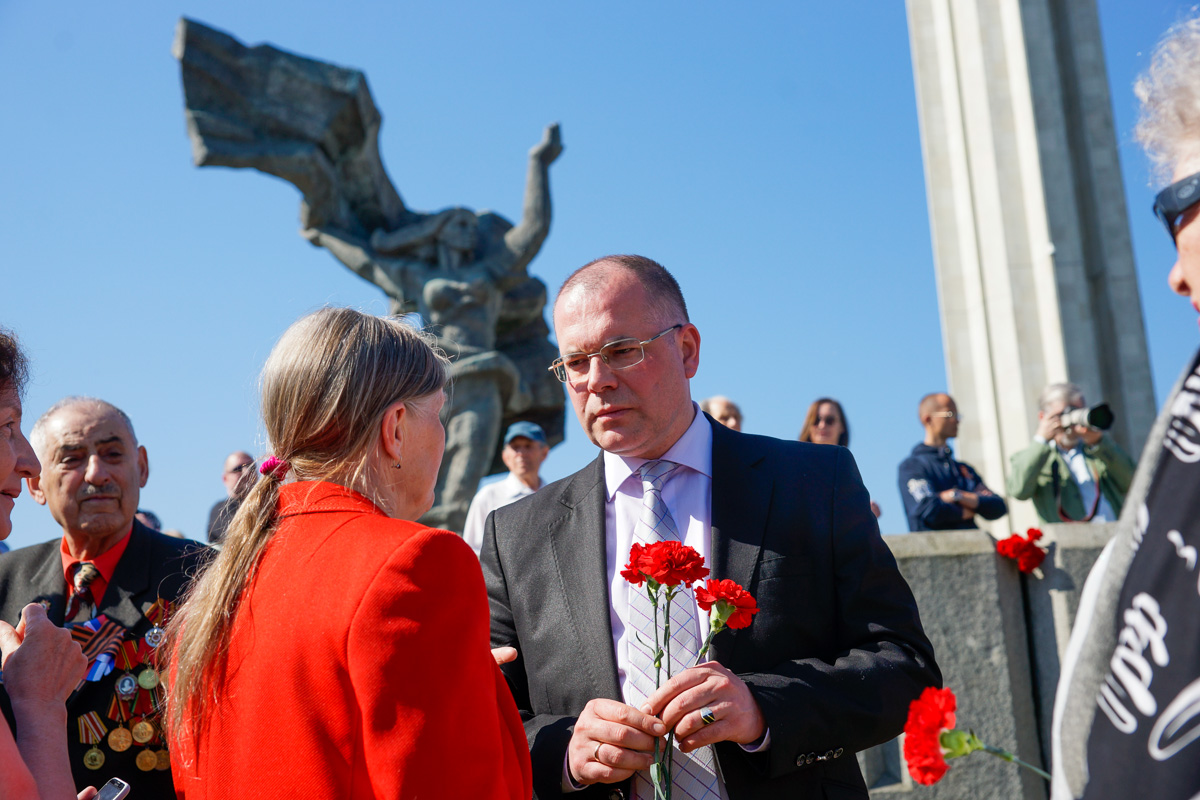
(488, 499)
(688, 495)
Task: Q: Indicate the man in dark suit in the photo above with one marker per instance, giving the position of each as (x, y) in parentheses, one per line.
(836, 651)
(112, 579)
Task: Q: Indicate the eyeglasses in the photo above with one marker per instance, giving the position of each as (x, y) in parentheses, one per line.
(1173, 202)
(947, 415)
(242, 467)
(822, 421)
(621, 354)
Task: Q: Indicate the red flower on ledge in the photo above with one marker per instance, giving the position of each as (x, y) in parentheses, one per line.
(664, 564)
(928, 716)
(930, 738)
(1027, 554)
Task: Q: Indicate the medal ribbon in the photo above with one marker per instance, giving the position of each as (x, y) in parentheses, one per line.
(159, 612)
(99, 639)
(118, 710)
(91, 729)
(144, 703)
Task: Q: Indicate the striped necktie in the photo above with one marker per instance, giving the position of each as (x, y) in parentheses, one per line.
(693, 774)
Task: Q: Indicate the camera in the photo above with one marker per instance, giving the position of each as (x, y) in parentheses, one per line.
(1099, 416)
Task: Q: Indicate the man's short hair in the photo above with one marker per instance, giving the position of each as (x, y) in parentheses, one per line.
(662, 290)
(927, 402)
(1169, 92)
(14, 365)
(37, 434)
(706, 405)
(1066, 393)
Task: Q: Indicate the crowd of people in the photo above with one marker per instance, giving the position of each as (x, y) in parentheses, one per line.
(333, 646)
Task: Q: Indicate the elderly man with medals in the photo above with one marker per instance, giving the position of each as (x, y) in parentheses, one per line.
(112, 581)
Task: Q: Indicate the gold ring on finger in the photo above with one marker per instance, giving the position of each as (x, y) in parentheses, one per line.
(596, 752)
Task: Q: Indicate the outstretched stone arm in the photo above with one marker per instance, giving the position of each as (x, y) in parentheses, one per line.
(355, 256)
(524, 241)
(410, 236)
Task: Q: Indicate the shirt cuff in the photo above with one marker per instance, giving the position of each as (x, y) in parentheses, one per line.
(1040, 440)
(760, 744)
(568, 783)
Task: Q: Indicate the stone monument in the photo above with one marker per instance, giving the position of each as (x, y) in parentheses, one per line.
(1035, 272)
(466, 274)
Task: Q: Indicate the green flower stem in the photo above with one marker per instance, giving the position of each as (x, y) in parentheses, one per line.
(670, 754)
(1007, 756)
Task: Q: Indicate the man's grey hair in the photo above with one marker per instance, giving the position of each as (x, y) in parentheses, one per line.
(1169, 91)
(1055, 393)
(37, 434)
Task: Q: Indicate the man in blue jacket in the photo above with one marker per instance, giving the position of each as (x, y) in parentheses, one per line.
(942, 494)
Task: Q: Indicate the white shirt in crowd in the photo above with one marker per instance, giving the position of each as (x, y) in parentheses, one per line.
(487, 500)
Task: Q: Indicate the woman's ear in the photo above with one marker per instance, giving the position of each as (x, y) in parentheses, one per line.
(391, 430)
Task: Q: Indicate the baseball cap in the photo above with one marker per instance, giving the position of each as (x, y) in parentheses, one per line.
(530, 430)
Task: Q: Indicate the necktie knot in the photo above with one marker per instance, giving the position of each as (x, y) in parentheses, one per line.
(79, 609)
(85, 573)
(655, 473)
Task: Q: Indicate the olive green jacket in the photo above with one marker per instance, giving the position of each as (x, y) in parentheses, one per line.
(1030, 476)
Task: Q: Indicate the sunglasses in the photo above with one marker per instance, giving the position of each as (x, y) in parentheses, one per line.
(1174, 201)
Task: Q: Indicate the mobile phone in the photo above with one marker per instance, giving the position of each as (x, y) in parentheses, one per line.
(115, 789)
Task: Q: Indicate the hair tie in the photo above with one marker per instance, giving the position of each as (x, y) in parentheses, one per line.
(274, 468)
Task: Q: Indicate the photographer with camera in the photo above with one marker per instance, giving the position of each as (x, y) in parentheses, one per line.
(1072, 471)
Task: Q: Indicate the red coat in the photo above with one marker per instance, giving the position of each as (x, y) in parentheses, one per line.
(359, 667)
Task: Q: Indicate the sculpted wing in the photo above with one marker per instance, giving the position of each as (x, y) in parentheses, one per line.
(311, 123)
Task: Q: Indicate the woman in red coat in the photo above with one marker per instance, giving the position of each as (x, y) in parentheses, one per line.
(335, 648)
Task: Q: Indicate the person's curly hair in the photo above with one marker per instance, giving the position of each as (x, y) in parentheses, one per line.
(14, 364)
(1169, 92)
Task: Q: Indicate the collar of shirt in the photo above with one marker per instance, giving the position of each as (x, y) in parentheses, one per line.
(687, 493)
(106, 562)
(693, 450)
(515, 488)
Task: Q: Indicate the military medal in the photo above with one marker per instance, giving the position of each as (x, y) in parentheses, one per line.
(148, 678)
(93, 759)
(157, 614)
(143, 731)
(164, 760)
(154, 636)
(147, 761)
(91, 731)
(127, 685)
(120, 739)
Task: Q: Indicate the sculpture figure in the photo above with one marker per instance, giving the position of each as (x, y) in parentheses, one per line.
(466, 274)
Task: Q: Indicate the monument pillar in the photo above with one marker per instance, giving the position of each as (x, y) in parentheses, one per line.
(1035, 272)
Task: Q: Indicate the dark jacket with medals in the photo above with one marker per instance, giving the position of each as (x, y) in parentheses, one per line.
(152, 567)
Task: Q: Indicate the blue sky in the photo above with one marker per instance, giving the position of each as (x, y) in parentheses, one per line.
(768, 154)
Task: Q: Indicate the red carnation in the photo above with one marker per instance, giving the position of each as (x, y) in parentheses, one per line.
(741, 604)
(1027, 554)
(928, 716)
(633, 570)
(671, 563)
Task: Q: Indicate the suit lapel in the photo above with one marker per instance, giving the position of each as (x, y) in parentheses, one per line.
(49, 585)
(741, 499)
(130, 579)
(578, 544)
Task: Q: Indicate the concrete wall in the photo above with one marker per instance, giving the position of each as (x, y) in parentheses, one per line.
(998, 638)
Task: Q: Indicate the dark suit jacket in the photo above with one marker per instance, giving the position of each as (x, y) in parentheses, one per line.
(152, 566)
(834, 656)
